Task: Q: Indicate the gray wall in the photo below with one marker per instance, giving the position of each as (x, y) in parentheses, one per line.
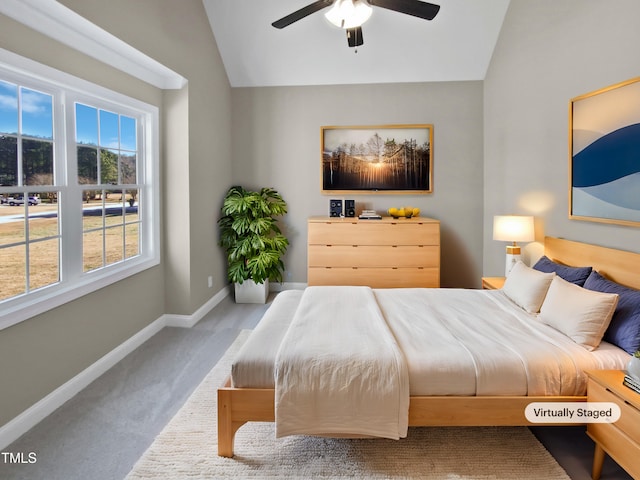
(548, 52)
(42, 353)
(197, 121)
(501, 143)
(276, 143)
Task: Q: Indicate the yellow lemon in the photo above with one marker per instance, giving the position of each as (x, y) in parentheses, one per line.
(416, 212)
(401, 212)
(393, 212)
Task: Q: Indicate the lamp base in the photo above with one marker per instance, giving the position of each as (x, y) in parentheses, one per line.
(511, 260)
(513, 250)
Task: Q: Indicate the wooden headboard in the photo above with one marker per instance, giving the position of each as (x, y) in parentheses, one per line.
(618, 265)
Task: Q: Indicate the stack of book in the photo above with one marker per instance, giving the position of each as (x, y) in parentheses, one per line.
(632, 382)
(369, 215)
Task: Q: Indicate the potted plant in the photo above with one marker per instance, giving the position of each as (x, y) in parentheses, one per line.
(252, 241)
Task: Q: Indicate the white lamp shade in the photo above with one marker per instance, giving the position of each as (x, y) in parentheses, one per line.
(513, 228)
(349, 13)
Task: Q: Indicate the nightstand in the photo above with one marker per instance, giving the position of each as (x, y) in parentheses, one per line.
(493, 283)
(620, 440)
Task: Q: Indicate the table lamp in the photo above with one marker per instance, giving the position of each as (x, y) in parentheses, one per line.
(513, 228)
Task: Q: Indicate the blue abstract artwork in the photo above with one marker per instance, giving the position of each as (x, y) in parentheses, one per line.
(605, 155)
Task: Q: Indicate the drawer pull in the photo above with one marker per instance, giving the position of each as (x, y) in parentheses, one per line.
(630, 404)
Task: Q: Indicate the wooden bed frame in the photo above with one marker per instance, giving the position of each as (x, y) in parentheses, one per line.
(237, 406)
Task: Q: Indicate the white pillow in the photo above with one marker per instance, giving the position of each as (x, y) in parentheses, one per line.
(527, 287)
(582, 315)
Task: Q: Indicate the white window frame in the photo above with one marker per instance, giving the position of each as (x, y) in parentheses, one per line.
(73, 282)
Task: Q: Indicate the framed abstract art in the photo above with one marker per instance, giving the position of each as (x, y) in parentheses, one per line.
(604, 155)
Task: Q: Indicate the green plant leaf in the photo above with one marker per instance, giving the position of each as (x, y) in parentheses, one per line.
(238, 272)
(261, 225)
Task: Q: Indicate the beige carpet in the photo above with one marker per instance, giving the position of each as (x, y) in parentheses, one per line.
(186, 449)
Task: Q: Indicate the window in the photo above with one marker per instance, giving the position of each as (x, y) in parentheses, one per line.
(29, 239)
(78, 188)
(107, 152)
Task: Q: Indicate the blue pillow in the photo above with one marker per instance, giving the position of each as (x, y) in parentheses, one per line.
(624, 329)
(577, 275)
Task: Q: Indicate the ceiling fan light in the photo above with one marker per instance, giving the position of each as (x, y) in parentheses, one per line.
(349, 13)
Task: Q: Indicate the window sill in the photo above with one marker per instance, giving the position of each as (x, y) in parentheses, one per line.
(22, 308)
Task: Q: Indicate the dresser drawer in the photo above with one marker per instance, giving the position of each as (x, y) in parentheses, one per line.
(372, 233)
(373, 256)
(375, 277)
(629, 421)
(619, 446)
(386, 253)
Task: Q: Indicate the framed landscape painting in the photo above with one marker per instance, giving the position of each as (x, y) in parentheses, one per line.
(604, 155)
(377, 159)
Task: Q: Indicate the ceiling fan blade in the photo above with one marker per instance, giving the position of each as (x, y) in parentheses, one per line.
(354, 36)
(410, 7)
(303, 12)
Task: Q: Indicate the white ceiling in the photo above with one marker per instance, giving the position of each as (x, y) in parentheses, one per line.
(456, 45)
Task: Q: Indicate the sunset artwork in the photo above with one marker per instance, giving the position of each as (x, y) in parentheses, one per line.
(369, 159)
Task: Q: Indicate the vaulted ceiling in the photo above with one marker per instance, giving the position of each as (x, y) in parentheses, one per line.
(456, 45)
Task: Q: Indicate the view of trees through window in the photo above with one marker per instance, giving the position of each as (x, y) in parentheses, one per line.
(29, 236)
(106, 153)
(38, 188)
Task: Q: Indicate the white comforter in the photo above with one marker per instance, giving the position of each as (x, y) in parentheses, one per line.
(478, 342)
(454, 342)
(339, 370)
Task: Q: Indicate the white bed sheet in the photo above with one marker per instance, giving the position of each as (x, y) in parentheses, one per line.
(430, 357)
(254, 366)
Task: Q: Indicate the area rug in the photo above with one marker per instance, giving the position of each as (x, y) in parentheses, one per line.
(187, 449)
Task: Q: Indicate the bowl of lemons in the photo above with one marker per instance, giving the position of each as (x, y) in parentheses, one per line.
(403, 212)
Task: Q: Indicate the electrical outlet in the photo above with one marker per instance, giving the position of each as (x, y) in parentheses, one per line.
(210, 281)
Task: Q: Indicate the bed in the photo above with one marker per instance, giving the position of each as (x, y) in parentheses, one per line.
(498, 391)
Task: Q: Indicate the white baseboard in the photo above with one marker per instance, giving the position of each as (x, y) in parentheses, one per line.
(28, 419)
(188, 321)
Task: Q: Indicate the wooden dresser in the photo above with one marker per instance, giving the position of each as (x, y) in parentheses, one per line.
(385, 253)
(621, 440)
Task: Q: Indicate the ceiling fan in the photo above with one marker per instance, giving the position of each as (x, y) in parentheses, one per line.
(351, 14)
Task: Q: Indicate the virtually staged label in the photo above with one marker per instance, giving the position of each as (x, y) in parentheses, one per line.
(572, 412)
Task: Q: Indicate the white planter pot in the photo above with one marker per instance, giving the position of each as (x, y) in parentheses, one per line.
(633, 368)
(252, 292)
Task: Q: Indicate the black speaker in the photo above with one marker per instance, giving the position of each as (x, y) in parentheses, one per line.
(335, 208)
(349, 208)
